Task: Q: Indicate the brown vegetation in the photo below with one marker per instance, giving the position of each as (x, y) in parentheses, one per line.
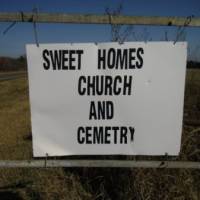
(92, 183)
(12, 64)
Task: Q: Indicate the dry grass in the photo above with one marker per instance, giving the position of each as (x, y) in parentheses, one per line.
(84, 183)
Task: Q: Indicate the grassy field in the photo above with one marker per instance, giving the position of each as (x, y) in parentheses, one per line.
(93, 183)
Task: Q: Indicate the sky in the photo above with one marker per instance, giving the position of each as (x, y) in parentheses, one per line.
(14, 41)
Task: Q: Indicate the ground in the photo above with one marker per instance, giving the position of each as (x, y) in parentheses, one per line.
(93, 183)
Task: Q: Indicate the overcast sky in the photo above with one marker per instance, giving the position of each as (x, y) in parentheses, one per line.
(13, 43)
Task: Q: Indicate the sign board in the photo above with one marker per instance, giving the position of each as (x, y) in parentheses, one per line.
(107, 98)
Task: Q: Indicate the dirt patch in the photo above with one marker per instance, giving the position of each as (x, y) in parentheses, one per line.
(9, 195)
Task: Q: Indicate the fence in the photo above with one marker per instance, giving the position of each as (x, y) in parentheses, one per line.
(99, 19)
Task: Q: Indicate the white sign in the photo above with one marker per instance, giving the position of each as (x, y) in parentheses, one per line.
(107, 98)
